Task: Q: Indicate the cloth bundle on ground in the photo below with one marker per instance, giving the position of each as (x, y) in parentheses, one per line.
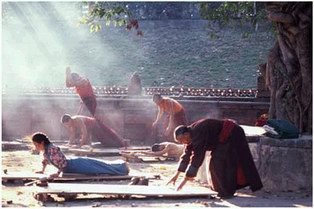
(281, 129)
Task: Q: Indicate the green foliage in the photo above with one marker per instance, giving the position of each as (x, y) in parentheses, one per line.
(110, 13)
(220, 14)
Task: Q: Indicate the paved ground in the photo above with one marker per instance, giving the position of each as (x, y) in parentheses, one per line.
(21, 196)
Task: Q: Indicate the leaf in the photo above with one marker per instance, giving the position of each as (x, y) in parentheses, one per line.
(92, 28)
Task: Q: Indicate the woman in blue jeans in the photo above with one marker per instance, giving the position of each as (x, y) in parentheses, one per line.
(80, 165)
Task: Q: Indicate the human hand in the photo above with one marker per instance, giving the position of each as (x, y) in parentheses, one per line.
(55, 175)
(173, 179)
(183, 182)
(68, 70)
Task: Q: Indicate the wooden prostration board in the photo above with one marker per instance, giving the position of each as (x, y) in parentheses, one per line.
(137, 157)
(14, 145)
(112, 189)
(29, 176)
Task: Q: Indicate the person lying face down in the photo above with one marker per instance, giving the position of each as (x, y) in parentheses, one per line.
(168, 149)
(53, 155)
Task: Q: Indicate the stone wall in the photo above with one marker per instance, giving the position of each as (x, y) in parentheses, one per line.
(131, 117)
(283, 164)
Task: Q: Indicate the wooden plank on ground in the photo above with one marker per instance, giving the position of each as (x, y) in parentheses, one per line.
(69, 177)
(22, 176)
(28, 176)
(135, 148)
(113, 189)
(138, 157)
(14, 145)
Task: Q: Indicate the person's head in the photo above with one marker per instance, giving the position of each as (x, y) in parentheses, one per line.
(66, 119)
(157, 98)
(135, 78)
(40, 140)
(75, 76)
(182, 135)
(157, 147)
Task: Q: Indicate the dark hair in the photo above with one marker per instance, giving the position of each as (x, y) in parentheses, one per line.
(180, 130)
(156, 96)
(65, 118)
(157, 147)
(40, 137)
(75, 76)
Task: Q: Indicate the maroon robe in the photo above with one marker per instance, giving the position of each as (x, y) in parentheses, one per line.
(88, 98)
(231, 165)
(98, 130)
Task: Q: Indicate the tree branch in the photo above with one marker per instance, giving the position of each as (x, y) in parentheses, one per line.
(281, 17)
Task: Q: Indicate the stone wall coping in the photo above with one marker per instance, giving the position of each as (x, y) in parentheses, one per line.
(185, 99)
(304, 141)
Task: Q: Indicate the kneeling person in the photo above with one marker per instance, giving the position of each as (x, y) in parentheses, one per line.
(88, 128)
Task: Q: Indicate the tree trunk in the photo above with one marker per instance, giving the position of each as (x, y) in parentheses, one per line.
(289, 67)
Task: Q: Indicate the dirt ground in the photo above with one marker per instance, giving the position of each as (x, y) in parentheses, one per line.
(17, 195)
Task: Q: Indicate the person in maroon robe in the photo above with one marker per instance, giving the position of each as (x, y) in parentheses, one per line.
(85, 90)
(90, 128)
(231, 166)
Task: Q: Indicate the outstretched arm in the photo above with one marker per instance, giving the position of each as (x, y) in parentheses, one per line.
(183, 182)
(84, 133)
(174, 178)
(160, 113)
(44, 163)
(72, 135)
(68, 79)
(159, 153)
(69, 82)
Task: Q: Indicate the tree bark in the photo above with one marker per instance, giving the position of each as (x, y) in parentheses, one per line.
(289, 66)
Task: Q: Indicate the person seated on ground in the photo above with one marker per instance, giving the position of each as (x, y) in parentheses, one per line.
(89, 128)
(85, 90)
(231, 165)
(173, 110)
(168, 149)
(79, 165)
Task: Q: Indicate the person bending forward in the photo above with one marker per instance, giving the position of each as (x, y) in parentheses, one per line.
(231, 166)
